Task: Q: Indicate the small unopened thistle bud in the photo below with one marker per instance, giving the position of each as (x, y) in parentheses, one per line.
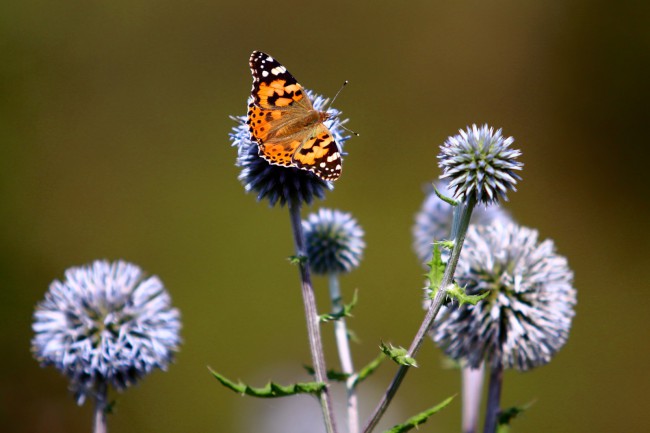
(480, 162)
(105, 324)
(278, 183)
(334, 241)
(526, 318)
(433, 221)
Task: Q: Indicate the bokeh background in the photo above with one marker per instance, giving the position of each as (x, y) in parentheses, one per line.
(114, 135)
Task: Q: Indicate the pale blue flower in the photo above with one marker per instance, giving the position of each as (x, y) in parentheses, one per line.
(526, 318)
(334, 241)
(433, 221)
(105, 324)
(480, 162)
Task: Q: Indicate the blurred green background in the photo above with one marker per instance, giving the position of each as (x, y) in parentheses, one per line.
(113, 129)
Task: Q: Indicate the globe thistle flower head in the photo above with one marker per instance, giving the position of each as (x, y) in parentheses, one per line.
(105, 324)
(433, 221)
(334, 241)
(480, 162)
(526, 318)
(276, 183)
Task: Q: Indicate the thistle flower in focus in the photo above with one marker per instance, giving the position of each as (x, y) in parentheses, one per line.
(278, 183)
(105, 324)
(433, 221)
(480, 162)
(334, 241)
(526, 318)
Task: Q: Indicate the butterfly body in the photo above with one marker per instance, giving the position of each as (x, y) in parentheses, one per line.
(283, 122)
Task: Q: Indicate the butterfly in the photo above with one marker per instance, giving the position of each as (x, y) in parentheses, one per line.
(284, 124)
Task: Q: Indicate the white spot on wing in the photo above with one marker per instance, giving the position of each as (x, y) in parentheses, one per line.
(278, 70)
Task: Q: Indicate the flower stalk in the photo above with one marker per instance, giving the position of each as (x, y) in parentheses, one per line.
(462, 215)
(472, 391)
(99, 416)
(345, 356)
(494, 399)
(311, 314)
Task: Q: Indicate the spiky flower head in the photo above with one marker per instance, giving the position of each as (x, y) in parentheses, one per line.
(105, 324)
(278, 183)
(433, 221)
(526, 318)
(334, 241)
(480, 162)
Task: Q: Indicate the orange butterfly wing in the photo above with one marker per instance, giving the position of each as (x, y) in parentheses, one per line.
(283, 122)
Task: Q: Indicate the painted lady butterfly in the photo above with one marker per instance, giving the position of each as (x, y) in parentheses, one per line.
(285, 125)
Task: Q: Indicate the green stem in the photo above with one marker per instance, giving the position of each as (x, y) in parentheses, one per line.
(465, 210)
(313, 321)
(345, 356)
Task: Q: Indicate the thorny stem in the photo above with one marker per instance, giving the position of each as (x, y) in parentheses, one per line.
(494, 399)
(463, 212)
(313, 321)
(99, 416)
(472, 391)
(343, 345)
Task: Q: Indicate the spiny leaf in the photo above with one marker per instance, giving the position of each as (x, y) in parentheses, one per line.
(337, 376)
(459, 294)
(346, 311)
(398, 354)
(298, 260)
(436, 270)
(352, 336)
(110, 407)
(448, 245)
(507, 415)
(270, 390)
(444, 198)
(368, 369)
(420, 418)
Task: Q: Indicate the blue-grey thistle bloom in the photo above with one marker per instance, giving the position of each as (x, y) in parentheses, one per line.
(105, 324)
(480, 162)
(527, 316)
(278, 183)
(433, 221)
(334, 241)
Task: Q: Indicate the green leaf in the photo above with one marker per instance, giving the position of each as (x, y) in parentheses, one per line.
(398, 354)
(368, 369)
(436, 270)
(444, 198)
(346, 311)
(448, 245)
(507, 415)
(352, 336)
(337, 376)
(110, 407)
(459, 294)
(420, 418)
(298, 260)
(270, 390)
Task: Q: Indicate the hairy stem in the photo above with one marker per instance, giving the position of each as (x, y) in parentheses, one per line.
(463, 212)
(494, 400)
(345, 356)
(99, 416)
(313, 321)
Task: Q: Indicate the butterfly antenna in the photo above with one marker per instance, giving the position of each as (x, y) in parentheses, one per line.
(345, 83)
